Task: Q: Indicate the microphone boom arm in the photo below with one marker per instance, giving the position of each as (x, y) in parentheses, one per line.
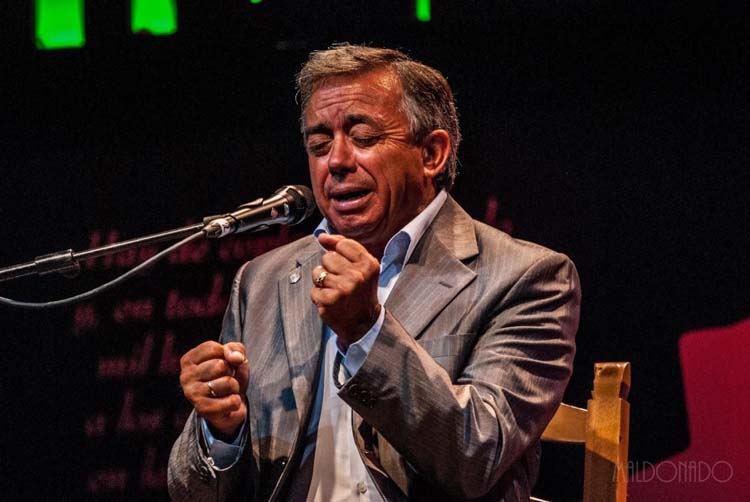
(290, 204)
(67, 262)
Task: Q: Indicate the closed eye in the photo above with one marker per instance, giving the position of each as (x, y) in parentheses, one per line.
(365, 141)
(318, 147)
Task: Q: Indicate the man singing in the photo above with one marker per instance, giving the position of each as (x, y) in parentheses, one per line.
(402, 352)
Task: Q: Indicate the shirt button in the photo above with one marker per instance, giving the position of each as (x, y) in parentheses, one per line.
(361, 487)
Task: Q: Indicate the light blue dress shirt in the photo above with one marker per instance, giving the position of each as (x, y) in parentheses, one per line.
(397, 252)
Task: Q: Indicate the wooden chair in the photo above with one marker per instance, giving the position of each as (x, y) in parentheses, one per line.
(603, 429)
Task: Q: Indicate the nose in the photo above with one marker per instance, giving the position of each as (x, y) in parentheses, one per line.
(341, 156)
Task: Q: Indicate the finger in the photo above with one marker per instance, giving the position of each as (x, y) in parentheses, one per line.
(203, 352)
(197, 391)
(335, 263)
(354, 251)
(321, 277)
(234, 353)
(242, 375)
(213, 369)
(323, 297)
(329, 241)
(218, 407)
(222, 387)
(316, 271)
(351, 261)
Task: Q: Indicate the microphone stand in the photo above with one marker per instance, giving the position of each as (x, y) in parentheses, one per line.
(290, 204)
(296, 201)
(67, 262)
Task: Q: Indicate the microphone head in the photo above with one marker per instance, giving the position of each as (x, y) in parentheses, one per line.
(301, 202)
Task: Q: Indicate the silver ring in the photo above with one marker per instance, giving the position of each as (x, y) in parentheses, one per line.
(211, 389)
(320, 279)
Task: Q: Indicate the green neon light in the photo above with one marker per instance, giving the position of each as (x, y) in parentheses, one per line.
(59, 24)
(256, 1)
(155, 17)
(423, 10)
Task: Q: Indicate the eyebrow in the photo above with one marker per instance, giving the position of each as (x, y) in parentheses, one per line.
(316, 129)
(357, 118)
(349, 121)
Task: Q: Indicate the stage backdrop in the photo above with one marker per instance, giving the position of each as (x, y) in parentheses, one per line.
(616, 133)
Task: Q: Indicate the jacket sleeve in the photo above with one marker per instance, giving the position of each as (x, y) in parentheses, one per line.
(192, 474)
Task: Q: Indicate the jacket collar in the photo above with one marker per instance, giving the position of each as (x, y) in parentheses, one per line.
(436, 272)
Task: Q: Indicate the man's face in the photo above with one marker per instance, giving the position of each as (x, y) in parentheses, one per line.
(367, 174)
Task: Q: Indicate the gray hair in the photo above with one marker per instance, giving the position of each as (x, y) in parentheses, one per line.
(427, 101)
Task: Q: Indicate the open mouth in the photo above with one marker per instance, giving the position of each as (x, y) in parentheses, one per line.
(349, 195)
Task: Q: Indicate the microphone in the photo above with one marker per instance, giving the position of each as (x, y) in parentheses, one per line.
(289, 205)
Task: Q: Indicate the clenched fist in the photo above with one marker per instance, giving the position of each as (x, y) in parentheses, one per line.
(347, 292)
(214, 379)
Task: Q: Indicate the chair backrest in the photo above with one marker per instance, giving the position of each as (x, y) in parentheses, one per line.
(603, 428)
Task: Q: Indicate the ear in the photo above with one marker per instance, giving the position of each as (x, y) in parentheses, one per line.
(436, 149)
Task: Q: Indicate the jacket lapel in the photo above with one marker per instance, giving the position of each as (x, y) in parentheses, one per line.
(303, 329)
(435, 273)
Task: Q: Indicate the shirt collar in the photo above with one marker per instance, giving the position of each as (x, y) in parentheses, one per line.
(401, 246)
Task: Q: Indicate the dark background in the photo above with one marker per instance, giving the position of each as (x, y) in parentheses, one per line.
(616, 132)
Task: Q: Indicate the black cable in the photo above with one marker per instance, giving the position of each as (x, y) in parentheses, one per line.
(100, 289)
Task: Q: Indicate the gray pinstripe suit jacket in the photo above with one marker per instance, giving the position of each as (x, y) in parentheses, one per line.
(472, 361)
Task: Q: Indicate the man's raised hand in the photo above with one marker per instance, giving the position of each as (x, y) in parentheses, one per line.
(214, 379)
(346, 291)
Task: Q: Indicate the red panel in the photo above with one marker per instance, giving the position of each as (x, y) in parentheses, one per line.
(716, 465)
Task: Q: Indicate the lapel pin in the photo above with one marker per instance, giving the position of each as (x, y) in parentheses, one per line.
(294, 276)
